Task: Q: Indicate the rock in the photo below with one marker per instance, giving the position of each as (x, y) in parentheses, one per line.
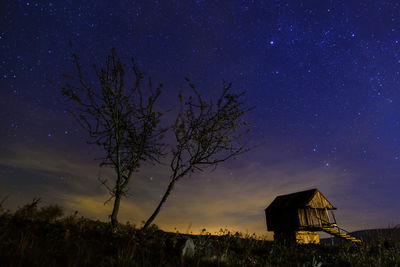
(188, 248)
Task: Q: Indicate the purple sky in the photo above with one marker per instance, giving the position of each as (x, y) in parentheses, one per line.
(323, 76)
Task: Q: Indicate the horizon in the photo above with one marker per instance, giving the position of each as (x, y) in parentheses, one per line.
(323, 79)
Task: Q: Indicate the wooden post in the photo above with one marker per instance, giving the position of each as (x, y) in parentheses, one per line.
(319, 219)
(327, 215)
(333, 215)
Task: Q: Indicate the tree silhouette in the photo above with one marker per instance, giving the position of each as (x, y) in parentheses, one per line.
(206, 134)
(121, 120)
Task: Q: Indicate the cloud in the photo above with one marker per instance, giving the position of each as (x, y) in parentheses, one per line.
(237, 199)
(233, 198)
(95, 208)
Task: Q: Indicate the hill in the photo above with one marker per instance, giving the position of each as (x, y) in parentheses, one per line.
(44, 237)
(372, 236)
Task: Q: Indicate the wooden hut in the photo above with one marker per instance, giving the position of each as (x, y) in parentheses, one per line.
(296, 217)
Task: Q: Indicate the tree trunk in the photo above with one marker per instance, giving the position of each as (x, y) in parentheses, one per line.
(164, 198)
(114, 214)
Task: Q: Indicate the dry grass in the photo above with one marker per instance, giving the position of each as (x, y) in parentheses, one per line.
(34, 236)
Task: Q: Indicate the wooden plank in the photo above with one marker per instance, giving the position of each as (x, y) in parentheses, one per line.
(320, 202)
(307, 237)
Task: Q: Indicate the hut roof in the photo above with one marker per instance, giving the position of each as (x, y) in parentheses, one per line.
(309, 198)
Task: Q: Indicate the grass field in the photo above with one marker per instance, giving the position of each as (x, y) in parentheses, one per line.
(34, 236)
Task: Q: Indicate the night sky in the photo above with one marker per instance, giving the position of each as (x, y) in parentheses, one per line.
(323, 78)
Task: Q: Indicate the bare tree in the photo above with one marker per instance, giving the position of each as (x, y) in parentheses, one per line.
(120, 119)
(206, 134)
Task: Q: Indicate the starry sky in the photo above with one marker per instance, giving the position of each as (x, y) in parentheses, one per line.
(323, 78)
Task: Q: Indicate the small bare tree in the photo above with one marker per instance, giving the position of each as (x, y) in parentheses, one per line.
(121, 120)
(206, 134)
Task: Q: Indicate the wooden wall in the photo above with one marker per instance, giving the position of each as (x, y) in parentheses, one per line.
(307, 237)
(310, 217)
(312, 214)
(299, 237)
(282, 219)
(319, 201)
